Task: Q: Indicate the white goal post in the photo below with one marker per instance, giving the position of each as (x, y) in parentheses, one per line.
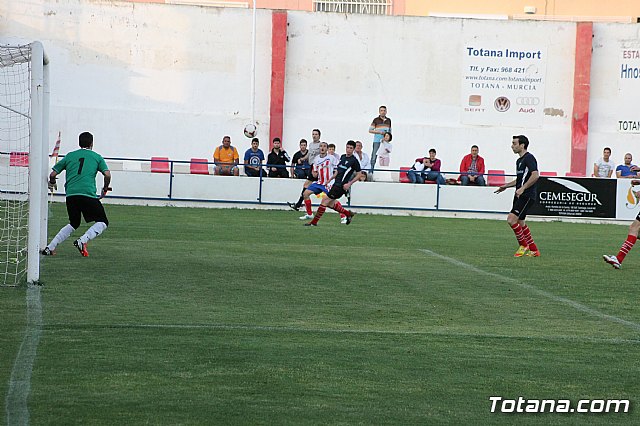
(24, 122)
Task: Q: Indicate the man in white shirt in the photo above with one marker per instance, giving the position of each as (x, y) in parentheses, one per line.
(604, 166)
(363, 158)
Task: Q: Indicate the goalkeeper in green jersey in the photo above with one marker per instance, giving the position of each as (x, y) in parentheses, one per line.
(81, 168)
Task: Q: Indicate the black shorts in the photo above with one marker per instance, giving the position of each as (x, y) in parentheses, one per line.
(521, 206)
(90, 208)
(336, 192)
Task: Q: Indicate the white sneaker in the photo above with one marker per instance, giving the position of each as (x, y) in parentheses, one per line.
(306, 217)
(343, 220)
(612, 260)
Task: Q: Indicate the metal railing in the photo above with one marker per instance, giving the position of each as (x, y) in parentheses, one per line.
(175, 165)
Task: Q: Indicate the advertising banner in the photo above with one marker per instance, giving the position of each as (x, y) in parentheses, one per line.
(627, 204)
(503, 85)
(628, 120)
(576, 197)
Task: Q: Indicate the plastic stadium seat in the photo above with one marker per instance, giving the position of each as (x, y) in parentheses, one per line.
(548, 174)
(160, 165)
(19, 159)
(574, 174)
(403, 175)
(199, 166)
(496, 180)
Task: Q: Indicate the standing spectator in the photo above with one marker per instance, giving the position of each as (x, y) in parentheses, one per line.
(314, 150)
(277, 160)
(379, 126)
(603, 167)
(363, 158)
(472, 168)
(253, 159)
(527, 176)
(384, 152)
(432, 168)
(226, 158)
(331, 150)
(627, 170)
(300, 163)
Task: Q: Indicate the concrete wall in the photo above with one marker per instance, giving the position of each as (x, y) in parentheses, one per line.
(147, 79)
(154, 79)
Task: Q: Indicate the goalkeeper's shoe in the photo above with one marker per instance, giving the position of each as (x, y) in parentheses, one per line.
(82, 247)
(522, 250)
(293, 206)
(612, 260)
(48, 252)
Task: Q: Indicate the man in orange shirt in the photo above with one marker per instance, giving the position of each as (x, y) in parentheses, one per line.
(226, 158)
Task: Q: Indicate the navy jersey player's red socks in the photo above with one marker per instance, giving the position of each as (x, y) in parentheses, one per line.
(626, 247)
(319, 213)
(528, 239)
(338, 207)
(307, 205)
(517, 229)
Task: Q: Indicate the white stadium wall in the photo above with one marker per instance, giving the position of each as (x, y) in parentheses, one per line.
(171, 80)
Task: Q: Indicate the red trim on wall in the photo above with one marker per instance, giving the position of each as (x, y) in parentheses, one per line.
(278, 61)
(581, 94)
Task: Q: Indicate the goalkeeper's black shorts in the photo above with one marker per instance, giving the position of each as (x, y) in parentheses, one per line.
(91, 209)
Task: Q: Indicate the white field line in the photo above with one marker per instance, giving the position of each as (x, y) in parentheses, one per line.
(311, 330)
(576, 305)
(20, 381)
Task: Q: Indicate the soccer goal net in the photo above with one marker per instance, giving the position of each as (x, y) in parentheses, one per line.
(23, 161)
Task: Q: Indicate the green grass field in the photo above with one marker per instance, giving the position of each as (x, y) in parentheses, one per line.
(207, 316)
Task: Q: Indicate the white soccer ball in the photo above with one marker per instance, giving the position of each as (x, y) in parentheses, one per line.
(250, 130)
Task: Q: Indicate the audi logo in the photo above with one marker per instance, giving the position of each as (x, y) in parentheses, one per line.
(528, 101)
(502, 104)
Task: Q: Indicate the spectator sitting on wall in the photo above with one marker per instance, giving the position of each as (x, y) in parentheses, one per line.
(472, 168)
(363, 158)
(300, 163)
(253, 159)
(277, 160)
(604, 167)
(226, 159)
(415, 175)
(432, 168)
(627, 170)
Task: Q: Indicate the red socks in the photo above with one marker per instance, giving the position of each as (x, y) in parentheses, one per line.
(517, 229)
(528, 239)
(626, 247)
(307, 205)
(319, 213)
(338, 207)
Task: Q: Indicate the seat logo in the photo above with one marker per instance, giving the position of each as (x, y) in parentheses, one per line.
(528, 101)
(502, 104)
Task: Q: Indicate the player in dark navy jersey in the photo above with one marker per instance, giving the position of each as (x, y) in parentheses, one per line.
(347, 172)
(527, 176)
